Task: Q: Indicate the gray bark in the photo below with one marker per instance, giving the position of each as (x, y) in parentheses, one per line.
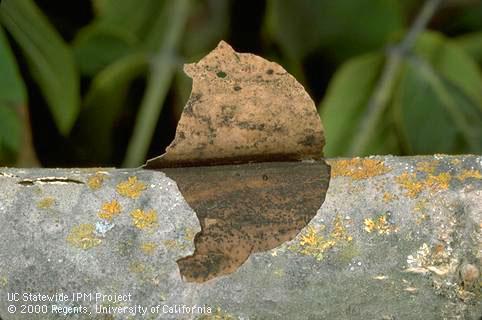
(397, 238)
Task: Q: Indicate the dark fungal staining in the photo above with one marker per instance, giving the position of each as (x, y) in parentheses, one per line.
(218, 194)
(188, 109)
(227, 114)
(308, 140)
(237, 57)
(250, 126)
(221, 74)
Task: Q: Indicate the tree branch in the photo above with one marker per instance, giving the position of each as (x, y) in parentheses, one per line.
(378, 101)
(158, 84)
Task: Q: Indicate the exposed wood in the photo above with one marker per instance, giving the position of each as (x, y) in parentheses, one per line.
(247, 208)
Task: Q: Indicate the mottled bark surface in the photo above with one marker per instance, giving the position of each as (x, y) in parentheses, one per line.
(243, 108)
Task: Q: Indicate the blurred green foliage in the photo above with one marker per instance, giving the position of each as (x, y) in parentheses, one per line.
(12, 97)
(111, 93)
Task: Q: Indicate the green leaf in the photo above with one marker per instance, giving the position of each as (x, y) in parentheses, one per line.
(50, 60)
(424, 121)
(12, 96)
(10, 132)
(129, 20)
(99, 6)
(12, 88)
(472, 44)
(109, 85)
(95, 48)
(105, 100)
(434, 115)
(385, 139)
(123, 27)
(346, 99)
(210, 22)
(456, 66)
(438, 104)
(286, 31)
(344, 27)
(452, 63)
(133, 18)
(468, 120)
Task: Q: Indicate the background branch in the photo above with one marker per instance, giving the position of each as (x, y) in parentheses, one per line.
(159, 80)
(383, 89)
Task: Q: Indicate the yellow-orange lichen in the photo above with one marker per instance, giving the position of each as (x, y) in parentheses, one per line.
(170, 243)
(358, 168)
(379, 225)
(339, 231)
(144, 219)
(109, 210)
(388, 197)
(409, 182)
(467, 174)
(427, 166)
(189, 234)
(95, 182)
(414, 185)
(3, 281)
(46, 203)
(83, 237)
(420, 209)
(315, 244)
(148, 247)
(310, 237)
(131, 188)
(438, 182)
(137, 267)
(455, 162)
